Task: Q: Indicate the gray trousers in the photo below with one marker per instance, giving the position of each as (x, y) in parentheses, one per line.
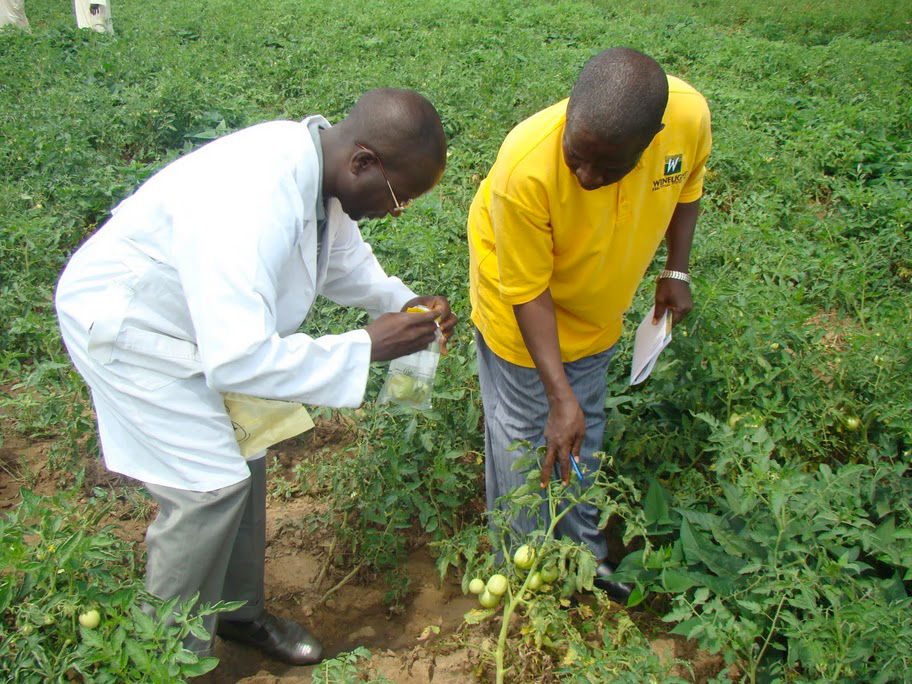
(213, 543)
(516, 409)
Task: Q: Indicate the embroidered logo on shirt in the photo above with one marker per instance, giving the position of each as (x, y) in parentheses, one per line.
(673, 164)
(672, 172)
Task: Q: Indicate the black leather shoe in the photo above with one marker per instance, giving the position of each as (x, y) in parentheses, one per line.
(282, 639)
(618, 591)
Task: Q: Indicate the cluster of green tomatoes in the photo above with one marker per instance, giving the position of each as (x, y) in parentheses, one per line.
(490, 593)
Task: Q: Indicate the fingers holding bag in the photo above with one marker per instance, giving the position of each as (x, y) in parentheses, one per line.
(397, 334)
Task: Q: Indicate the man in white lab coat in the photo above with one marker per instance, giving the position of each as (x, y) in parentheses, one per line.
(197, 286)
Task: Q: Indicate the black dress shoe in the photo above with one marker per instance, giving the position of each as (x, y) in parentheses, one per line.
(618, 591)
(282, 639)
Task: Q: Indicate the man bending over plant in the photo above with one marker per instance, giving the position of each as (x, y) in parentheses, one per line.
(561, 233)
(197, 286)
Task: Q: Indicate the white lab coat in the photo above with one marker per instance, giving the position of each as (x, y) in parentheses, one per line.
(13, 12)
(197, 286)
(100, 22)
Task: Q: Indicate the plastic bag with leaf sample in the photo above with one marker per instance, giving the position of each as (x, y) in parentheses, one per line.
(410, 379)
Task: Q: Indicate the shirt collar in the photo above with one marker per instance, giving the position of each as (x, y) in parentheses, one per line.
(314, 125)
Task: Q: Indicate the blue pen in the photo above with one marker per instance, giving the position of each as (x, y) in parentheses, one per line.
(576, 468)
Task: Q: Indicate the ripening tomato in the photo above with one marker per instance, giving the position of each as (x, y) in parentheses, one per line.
(90, 619)
(524, 557)
(488, 600)
(497, 585)
(549, 573)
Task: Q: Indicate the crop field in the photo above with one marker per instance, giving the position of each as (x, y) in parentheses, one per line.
(757, 488)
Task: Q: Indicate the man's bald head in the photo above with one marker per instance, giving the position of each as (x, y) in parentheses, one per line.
(389, 150)
(620, 96)
(401, 126)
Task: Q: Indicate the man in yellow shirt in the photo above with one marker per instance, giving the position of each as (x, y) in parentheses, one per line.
(561, 233)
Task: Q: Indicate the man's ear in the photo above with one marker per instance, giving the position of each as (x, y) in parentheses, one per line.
(360, 161)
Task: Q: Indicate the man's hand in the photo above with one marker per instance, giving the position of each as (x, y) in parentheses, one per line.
(441, 307)
(397, 334)
(675, 295)
(564, 433)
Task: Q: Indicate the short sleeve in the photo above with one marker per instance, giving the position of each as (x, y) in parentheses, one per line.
(525, 249)
(693, 187)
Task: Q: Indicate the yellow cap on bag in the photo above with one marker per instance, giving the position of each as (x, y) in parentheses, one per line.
(441, 340)
(421, 309)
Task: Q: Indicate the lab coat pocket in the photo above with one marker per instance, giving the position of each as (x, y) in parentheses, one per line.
(149, 360)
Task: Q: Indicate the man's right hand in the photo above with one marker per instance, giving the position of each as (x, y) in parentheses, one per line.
(397, 334)
(564, 433)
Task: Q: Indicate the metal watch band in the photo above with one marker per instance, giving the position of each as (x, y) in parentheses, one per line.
(675, 275)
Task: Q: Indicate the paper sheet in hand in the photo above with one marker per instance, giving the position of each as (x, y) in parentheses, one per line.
(260, 423)
(649, 342)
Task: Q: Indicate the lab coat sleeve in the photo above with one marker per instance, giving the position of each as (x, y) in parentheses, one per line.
(230, 242)
(354, 277)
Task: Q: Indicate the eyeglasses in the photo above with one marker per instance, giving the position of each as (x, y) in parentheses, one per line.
(399, 205)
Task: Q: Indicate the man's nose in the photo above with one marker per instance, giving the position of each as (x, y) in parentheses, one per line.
(589, 178)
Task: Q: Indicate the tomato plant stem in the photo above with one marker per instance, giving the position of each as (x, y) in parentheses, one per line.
(345, 580)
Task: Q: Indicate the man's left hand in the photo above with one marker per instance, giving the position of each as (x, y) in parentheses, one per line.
(446, 319)
(675, 295)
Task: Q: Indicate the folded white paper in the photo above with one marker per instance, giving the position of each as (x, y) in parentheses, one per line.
(649, 342)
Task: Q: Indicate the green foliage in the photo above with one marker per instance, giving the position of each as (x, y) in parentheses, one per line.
(810, 23)
(802, 265)
(347, 668)
(402, 476)
(57, 562)
(785, 568)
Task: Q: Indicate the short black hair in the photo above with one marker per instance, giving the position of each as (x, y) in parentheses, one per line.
(620, 94)
(401, 126)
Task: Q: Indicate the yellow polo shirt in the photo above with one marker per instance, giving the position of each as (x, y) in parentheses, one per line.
(532, 226)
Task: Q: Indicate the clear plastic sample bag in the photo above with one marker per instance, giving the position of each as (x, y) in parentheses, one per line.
(410, 379)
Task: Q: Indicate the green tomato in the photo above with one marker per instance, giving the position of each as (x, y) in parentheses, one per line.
(488, 600)
(549, 573)
(421, 392)
(497, 585)
(535, 581)
(90, 619)
(524, 557)
(753, 420)
(477, 585)
(401, 387)
(853, 423)
(733, 420)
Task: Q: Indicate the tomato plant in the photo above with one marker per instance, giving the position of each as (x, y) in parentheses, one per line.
(71, 602)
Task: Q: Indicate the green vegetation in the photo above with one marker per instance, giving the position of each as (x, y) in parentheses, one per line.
(763, 470)
(72, 607)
